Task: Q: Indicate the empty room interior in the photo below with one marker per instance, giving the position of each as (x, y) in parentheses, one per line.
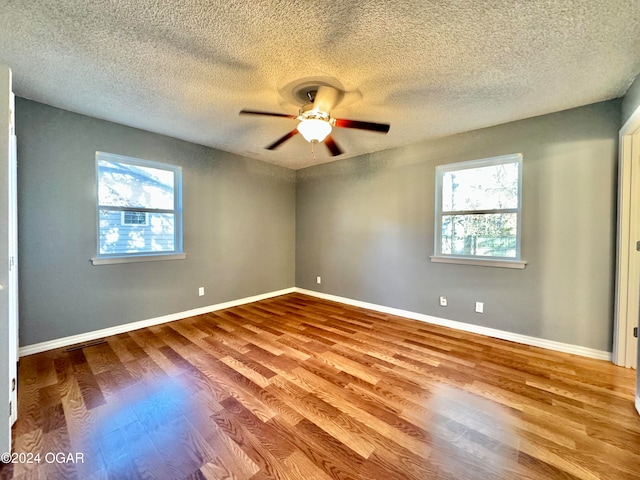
(319, 240)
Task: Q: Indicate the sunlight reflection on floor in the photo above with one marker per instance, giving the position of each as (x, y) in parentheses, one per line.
(467, 429)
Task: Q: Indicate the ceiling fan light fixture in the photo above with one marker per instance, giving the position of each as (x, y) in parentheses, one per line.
(314, 130)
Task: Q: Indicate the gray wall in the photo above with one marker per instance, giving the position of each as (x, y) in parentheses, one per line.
(365, 225)
(631, 100)
(239, 230)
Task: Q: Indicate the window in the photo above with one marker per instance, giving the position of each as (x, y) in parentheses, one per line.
(134, 218)
(139, 210)
(477, 218)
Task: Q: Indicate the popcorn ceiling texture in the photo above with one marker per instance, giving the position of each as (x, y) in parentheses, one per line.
(185, 68)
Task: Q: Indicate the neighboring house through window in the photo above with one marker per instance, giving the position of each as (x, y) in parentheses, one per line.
(478, 212)
(139, 210)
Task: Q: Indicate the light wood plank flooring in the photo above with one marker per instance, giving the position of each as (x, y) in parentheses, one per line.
(300, 388)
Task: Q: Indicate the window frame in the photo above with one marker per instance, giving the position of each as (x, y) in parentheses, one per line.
(113, 258)
(480, 260)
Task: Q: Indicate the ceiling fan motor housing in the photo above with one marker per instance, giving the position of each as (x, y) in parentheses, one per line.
(308, 112)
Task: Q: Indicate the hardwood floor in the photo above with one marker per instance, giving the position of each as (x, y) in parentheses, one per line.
(300, 388)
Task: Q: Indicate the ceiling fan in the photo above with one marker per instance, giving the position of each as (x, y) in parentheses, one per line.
(316, 122)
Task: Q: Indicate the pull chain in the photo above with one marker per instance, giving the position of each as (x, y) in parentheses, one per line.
(313, 151)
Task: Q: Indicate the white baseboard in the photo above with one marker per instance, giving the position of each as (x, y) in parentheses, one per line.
(638, 404)
(467, 327)
(106, 332)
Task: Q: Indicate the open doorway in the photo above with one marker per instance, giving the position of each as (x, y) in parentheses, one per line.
(625, 342)
(625, 345)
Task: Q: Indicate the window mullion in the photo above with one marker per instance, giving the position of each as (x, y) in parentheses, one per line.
(135, 209)
(480, 212)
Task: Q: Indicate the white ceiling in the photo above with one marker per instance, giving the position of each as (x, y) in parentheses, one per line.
(185, 68)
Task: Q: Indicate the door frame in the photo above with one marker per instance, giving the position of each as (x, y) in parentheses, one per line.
(12, 244)
(627, 300)
(8, 281)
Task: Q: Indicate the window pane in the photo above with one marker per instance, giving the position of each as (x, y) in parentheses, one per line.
(118, 238)
(483, 188)
(491, 235)
(125, 185)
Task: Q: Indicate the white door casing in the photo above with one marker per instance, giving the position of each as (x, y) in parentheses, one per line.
(8, 285)
(12, 293)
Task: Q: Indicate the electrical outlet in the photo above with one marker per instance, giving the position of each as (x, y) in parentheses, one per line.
(318, 280)
(443, 301)
(479, 307)
(201, 291)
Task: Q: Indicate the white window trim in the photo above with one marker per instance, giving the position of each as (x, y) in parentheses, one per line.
(177, 253)
(480, 262)
(484, 261)
(154, 257)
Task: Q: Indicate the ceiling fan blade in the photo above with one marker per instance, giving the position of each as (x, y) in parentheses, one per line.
(281, 140)
(326, 98)
(332, 146)
(268, 114)
(374, 127)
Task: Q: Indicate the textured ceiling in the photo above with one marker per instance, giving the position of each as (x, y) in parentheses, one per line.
(185, 68)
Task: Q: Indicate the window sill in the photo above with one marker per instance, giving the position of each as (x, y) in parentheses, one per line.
(480, 262)
(138, 258)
